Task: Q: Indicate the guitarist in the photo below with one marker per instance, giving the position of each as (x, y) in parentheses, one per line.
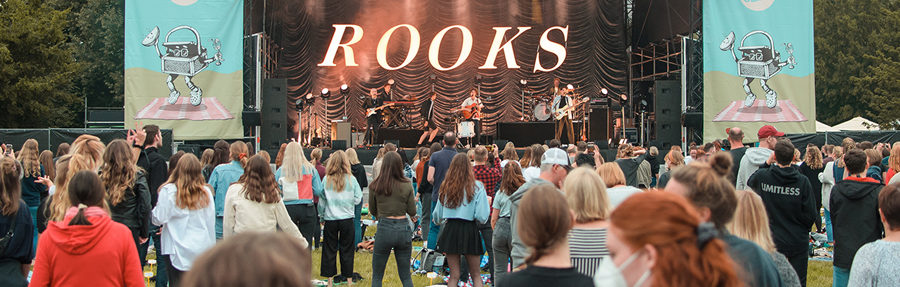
(473, 102)
(560, 100)
(374, 121)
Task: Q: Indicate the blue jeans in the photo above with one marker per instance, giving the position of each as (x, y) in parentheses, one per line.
(34, 212)
(392, 234)
(357, 217)
(433, 230)
(162, 261)
(219, 227)
(829, 229)
(840, 277)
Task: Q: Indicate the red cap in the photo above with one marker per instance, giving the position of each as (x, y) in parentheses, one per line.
(768, 131)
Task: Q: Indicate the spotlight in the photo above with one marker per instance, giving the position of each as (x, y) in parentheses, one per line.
(604, 91)
(344, 89)
(432, 77)
(390, 82)
(523, 82)
(325, 93)
(309, 96)
(478, 78)
(570, 87)
(623, 97)
(299, 104)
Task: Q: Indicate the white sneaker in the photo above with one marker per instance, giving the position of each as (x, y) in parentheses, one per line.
(196, 95)
(771, 99)
(173, 97)
(748, 102)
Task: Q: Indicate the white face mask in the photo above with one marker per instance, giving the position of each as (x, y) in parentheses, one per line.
(608, 274)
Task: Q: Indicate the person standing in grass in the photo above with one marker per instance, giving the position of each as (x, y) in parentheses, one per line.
(752, 223)
(502, 241)
(391, 199)
(187, 215)
(299, 180)
(854, 213)
(336, 204)
(586, 195)
(223, 176)
(462, 205)
(878, 263)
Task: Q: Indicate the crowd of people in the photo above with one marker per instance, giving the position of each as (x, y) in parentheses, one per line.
(718, 214)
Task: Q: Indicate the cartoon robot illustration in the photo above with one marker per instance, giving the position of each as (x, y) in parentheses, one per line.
(758, 62)
(183, 58)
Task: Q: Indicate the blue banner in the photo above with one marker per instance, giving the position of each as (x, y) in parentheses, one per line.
(758, 66)
(184, 66)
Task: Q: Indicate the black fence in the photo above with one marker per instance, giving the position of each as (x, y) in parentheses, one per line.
(50, 139)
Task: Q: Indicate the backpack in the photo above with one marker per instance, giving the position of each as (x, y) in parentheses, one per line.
(428, 260)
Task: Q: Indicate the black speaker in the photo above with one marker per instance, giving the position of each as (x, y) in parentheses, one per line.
(599, 124)
(273, 127)
(338, 144)
(667, 108)
(250, 118)
(693, 120)
(395, 142)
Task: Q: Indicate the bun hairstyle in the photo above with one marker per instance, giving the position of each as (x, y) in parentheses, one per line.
(10, 190)
(85, 190)
(687, 252)
(544, 220)
(708, 188)
(220, 153)
(240, 153)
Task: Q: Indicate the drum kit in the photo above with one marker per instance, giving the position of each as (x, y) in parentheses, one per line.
(540, 107)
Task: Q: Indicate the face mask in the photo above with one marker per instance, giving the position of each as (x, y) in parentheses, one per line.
(611, 275)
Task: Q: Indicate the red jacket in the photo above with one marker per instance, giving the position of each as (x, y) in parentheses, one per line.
(96, 255)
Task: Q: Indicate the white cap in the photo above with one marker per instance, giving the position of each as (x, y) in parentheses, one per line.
(555, 156)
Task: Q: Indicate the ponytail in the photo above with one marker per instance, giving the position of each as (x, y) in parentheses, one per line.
(240, 153)
(80, 218)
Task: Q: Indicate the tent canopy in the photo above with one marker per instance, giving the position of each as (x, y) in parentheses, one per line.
(857, 124)
(820, 127)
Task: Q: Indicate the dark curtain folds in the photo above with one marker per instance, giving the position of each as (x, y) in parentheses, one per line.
(596, 56)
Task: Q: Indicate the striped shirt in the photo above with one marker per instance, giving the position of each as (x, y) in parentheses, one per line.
(587, 247)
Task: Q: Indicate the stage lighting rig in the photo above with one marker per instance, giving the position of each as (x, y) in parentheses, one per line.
(325, 93)
(345, 89)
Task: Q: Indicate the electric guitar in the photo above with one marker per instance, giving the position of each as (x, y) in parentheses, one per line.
(564, 111)
(372, 111)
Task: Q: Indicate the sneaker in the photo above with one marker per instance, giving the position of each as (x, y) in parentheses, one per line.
(173, 97)
(771, 99)
(748, 102)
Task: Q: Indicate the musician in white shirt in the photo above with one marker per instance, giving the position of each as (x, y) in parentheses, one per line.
(474, 105)
(561, 100)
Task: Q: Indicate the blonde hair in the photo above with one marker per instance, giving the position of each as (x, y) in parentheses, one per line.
(337, 170)
(751, 221)
(894, 160)
(29, 156)
(188, 180)
(354, 159)
(813, 157)
(294, 162)
(316, 155)
(586, 195)
(611, 174)
(839, 156)
(87, 154)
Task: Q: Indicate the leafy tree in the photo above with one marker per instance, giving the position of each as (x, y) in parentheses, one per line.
(857, 60)
(36, 66)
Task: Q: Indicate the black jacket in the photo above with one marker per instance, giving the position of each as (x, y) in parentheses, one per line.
(790, 204)
(134, 210)
(813, 176)
(854, 215)
(654, 165)
(157, 171)
(359, 172)
(736, 156)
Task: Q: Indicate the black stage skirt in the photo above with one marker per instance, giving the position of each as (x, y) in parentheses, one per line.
(460, 237)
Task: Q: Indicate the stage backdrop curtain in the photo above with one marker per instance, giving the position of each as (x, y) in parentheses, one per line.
(596, 56)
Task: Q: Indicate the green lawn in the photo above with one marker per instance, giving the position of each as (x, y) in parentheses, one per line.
(818, 274)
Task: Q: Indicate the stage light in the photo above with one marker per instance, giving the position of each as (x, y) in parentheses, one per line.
(390, 82)
(604, 91)
(478, 78)
(298, 103)
(344, 89)
(309, 96)
(432, 77)
(570, 87)
(523, 82)
(624, 97)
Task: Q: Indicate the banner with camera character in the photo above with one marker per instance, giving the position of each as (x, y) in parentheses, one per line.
(183, 66)
(758, 66)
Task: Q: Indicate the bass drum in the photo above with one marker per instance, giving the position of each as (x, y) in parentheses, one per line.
(542, 111)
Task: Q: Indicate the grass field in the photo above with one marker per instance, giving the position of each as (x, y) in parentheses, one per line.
(818, 274)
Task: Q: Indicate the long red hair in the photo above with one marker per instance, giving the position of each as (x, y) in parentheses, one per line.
(667, 222)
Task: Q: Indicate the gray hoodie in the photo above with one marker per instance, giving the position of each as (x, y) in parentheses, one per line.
(753, 159)
(519, 250)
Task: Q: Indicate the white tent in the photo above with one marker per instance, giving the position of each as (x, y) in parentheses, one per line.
(820, 127)
(857, 124)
